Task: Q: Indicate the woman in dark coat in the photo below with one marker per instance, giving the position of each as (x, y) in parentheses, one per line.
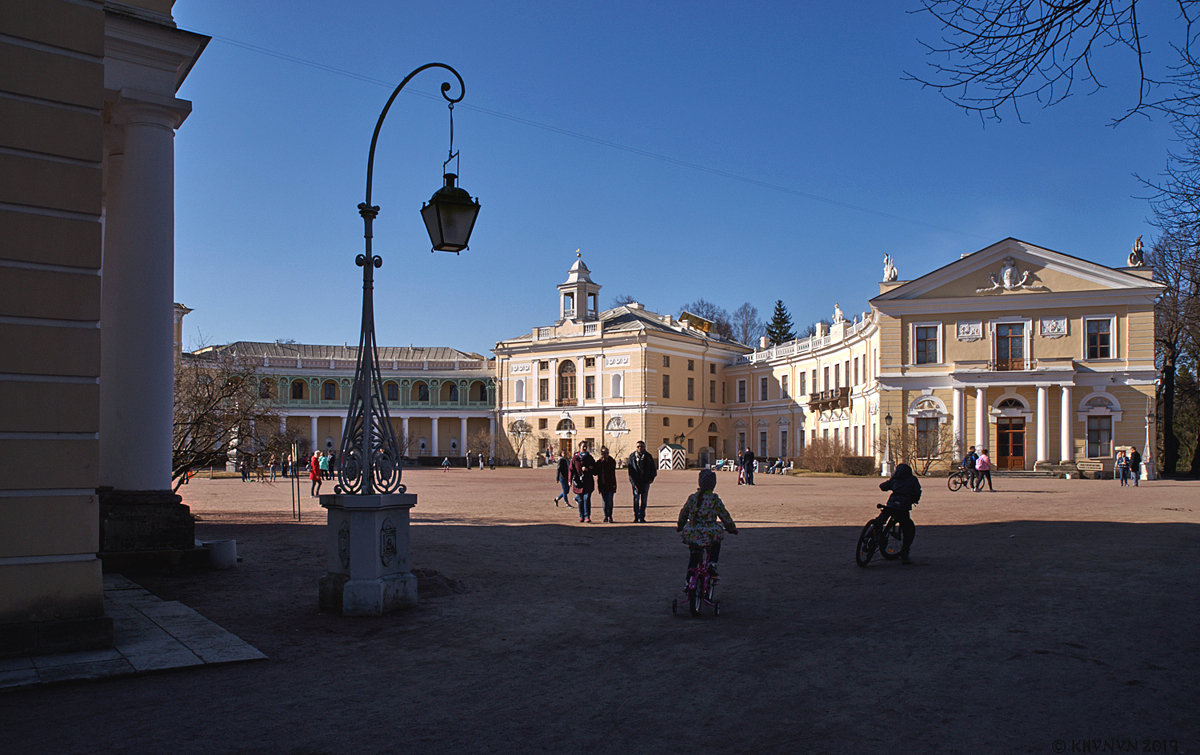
(606, 481)
(564, 480)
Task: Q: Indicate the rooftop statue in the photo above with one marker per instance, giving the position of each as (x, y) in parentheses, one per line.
(889, 270)
(1135, 257)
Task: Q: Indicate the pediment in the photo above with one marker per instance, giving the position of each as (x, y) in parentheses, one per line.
(1015, 268)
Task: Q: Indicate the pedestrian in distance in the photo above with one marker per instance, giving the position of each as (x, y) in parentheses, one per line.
(749, 463)
(323, 465)
(1135, 465)
(968, 465)
(272, 462)
(563, 478)
(983, 469)
(314, 474)
(606, 481)
(1122, 467)
(583, 482)
(445, 463)
(642, 470)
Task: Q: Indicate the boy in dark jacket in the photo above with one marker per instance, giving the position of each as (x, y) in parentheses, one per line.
(906, 491)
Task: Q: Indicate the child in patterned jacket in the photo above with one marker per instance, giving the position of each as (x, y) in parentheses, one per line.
(698, 521)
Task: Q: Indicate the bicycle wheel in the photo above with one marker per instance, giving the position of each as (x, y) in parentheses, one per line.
(955, 481)
(710, 586)
(694, 600)
(892, 539)
(866, 544)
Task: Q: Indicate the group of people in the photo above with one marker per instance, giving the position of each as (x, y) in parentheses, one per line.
(978, 468)
(1129, 466)
(321, 466)
(583, 474)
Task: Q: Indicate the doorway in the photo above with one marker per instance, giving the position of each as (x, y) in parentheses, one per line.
(1010, 443)
(564, 446)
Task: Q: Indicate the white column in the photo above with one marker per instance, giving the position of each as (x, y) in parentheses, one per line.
(960, 422)
(283, 424)
(1043, 420)
(981, 418)
(433, 435)
(313, 432)
(406, 441)
(462, 434)
(137, 352)
(492, 431)
(1066, 436)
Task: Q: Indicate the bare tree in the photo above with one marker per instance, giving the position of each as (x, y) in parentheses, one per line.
(994, 55)
(921, 452)
(221, 404)
(747, 326)
(621, 300)
(520, 431)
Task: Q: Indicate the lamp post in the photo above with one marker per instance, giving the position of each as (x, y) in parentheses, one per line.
(1148, 460)
(886, 467)
(367, 532)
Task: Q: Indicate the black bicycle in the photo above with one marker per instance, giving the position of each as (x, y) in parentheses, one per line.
(880, 534)
(958, 479)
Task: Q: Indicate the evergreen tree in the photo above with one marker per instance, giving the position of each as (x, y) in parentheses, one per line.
(779, 330)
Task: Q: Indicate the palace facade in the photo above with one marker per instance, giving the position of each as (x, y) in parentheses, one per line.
(1041, 357)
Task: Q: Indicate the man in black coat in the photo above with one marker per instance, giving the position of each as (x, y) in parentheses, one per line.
(906, 491)
(642, 470)
(748, 462)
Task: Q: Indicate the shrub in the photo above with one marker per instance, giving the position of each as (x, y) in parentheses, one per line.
(858, 465)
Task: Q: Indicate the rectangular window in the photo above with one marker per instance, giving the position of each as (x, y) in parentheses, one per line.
(666, 361)
(544, 389)
(712, 369)
(837, 376)
(1099, 439)
(691, 365)
(589, 421)
(589, 386)
(783, 386)
(926, 345)
(846, 371)
(543, 365)
(855, 371)
(762, 389)
(691, 445)
(1010, 346)
(827, 386)
(762, 444)
(691, 389)
(666, 421)
(803, 386)
(543, 423)
(927, 433)
(666, 391)
(589, 362)
(712, 391)
(723, 398)
(741, 395)
(814, 380)
(691, 423)
(1099, 339)
(783, 443)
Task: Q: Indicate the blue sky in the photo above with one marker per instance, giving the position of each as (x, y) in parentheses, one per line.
(735, 152)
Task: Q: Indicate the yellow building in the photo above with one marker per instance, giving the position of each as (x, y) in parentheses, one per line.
(87, 123)
(1043, 358)
(613, 378)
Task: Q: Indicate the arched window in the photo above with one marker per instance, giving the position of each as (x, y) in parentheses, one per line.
(566, 383)
(1010, 403)
(712, 427)
(299, 390)
(618, 386)
(266, 388)
(329, 391)
(565, 426)
(420, 391)
(478, 391)
(519, 390)
(449, 392)
(391, 391)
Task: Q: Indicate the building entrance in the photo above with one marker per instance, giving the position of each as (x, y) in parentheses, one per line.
(1010, 443)
(564, 446)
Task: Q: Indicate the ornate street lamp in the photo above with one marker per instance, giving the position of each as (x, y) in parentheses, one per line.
(886, 467)
(370, 459)
(368, 514)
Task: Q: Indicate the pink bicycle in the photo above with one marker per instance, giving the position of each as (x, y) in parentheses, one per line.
(699, 591)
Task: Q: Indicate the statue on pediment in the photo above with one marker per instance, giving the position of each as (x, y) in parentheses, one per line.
(1135, 257)
(838, 316)
(1008, 280)
(889, 270)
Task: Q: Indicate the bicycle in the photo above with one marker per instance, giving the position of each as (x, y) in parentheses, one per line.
(881, 533)
(700, 587)
(959, 478)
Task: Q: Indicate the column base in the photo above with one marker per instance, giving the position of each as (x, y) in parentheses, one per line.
(144, 520)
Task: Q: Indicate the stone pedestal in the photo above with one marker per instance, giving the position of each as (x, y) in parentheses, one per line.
(367, 547)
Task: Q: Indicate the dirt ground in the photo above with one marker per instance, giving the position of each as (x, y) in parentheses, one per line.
(1049, 616)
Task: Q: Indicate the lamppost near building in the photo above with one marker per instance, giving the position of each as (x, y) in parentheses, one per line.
(367, 532)
(886, 468)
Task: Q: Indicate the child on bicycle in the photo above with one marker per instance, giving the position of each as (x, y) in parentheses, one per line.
(906, 491)
(699, 525)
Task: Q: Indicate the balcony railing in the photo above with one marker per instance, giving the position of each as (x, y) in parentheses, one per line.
(1012, 365)
(834, 398)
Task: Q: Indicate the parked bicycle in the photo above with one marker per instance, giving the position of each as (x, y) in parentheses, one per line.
(701, 585)
(958, 479)
(880, 534)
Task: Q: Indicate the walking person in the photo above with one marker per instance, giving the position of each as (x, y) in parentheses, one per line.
(983, 469)
(1122, 467)
(968, 465)
(271, 463)
(583, 483)
(1135, 465)
(445, 463)
(642, 471)
(323, 465)
(563, 478)
(606, 481)
(748, 462)
(314, 474)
